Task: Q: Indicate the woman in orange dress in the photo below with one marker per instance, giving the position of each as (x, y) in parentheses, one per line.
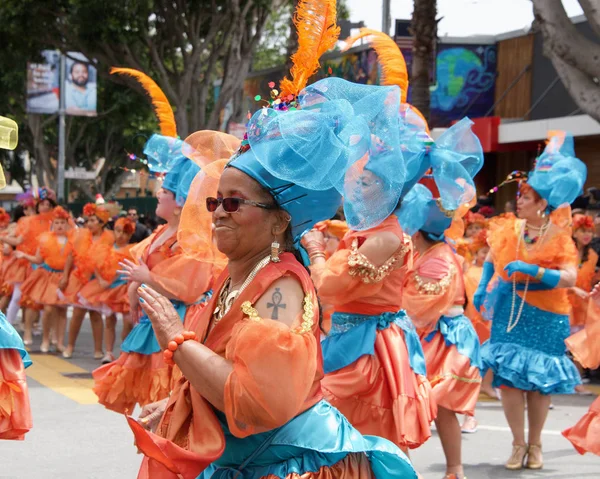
(89, 250)
(434, 296)
(140, 375)
(4, 231)
(474, 223)
(108, 292)
(585, 434)
(26, 240)
(15, 411)
(534, 259)
(25, 208)
(258, 412)
(40, 289)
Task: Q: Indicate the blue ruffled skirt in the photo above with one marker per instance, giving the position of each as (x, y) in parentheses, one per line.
(319, 437)
(532, 357)
(10, 339)
(353, 336)
(458, 331)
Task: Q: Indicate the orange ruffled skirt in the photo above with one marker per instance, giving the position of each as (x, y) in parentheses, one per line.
(70, 295)
(87, 294)
(15, 412)
(382, 396)
(455, 381)
(108, 301)
(132, 379)
(585, 435)
(14, 271)
(41, 289)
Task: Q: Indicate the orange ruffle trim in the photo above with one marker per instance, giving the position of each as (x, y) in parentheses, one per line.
(454, 381)
(132, 379)
(585, 435)
(17, 271)
(110, 300)
(15, 411)
(382, 396)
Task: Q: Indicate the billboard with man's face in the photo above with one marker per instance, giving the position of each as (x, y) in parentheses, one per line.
(80, 86)
(80, 83)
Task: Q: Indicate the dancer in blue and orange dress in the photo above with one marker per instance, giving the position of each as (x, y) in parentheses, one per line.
(535, 263)
(434, 291)
(140, 374)
(15, 411)
(107, 293)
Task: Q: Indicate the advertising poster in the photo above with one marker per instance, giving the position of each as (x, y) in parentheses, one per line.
(43, 84)
(81, 86)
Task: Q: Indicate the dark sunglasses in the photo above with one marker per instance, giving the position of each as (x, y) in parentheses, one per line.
(231, 205)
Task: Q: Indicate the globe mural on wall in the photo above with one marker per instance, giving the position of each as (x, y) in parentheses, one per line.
(465, 83)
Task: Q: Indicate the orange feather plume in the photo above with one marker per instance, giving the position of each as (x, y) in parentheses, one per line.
(318, 32)
(393, 65)
(162, 107)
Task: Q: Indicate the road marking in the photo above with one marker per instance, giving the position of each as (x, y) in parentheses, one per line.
(49, 370)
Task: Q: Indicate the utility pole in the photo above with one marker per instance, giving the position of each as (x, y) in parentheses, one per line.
(386, 19)
(60, 187)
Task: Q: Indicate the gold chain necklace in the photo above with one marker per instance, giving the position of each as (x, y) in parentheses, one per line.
(227, 297)
(512, 325)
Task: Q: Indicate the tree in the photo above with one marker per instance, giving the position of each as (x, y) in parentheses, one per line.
(186, 46)
(575, 58)
(424, 31)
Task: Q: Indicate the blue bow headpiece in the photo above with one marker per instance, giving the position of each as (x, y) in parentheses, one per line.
(307, 158)
(165, 155)
(558, 176)
(455, 158)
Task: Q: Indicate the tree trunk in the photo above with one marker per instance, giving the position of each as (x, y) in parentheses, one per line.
(575, 58)
(424, 31)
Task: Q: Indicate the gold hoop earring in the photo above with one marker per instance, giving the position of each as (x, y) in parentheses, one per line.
(275, 252)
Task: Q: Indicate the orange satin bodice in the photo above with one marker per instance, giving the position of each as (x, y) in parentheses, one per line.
(346, 289)
(433, 286)
(53, 252)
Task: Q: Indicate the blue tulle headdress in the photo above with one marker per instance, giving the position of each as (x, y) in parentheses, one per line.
(558, 176)
(455, 158)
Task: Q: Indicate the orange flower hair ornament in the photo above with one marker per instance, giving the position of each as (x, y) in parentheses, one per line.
(59, 213)
(127, 224)
(474, 219)
(91, 209)
(583, 222)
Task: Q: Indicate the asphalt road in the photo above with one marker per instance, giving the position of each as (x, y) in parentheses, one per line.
(74, 437)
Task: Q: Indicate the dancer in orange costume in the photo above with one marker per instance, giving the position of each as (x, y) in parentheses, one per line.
(89, 250)
(474, 224)
(478, 250)
(40, 289)
(140, 374)
(15, 412)
(585, 435)
(579, 295)
(434, 291)
(27, 234)
(108, 292)
(534, 261)
(5, 230)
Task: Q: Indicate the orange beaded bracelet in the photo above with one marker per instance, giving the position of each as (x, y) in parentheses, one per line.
(175, 343)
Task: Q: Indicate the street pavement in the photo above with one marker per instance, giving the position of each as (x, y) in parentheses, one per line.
(74, 437)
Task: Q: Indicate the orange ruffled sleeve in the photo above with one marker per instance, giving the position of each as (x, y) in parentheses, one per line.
(269, 384)
(184, 278)
(335, 284)
(431, 289)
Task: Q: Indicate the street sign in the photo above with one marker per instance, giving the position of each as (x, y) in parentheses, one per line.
(79, 174)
